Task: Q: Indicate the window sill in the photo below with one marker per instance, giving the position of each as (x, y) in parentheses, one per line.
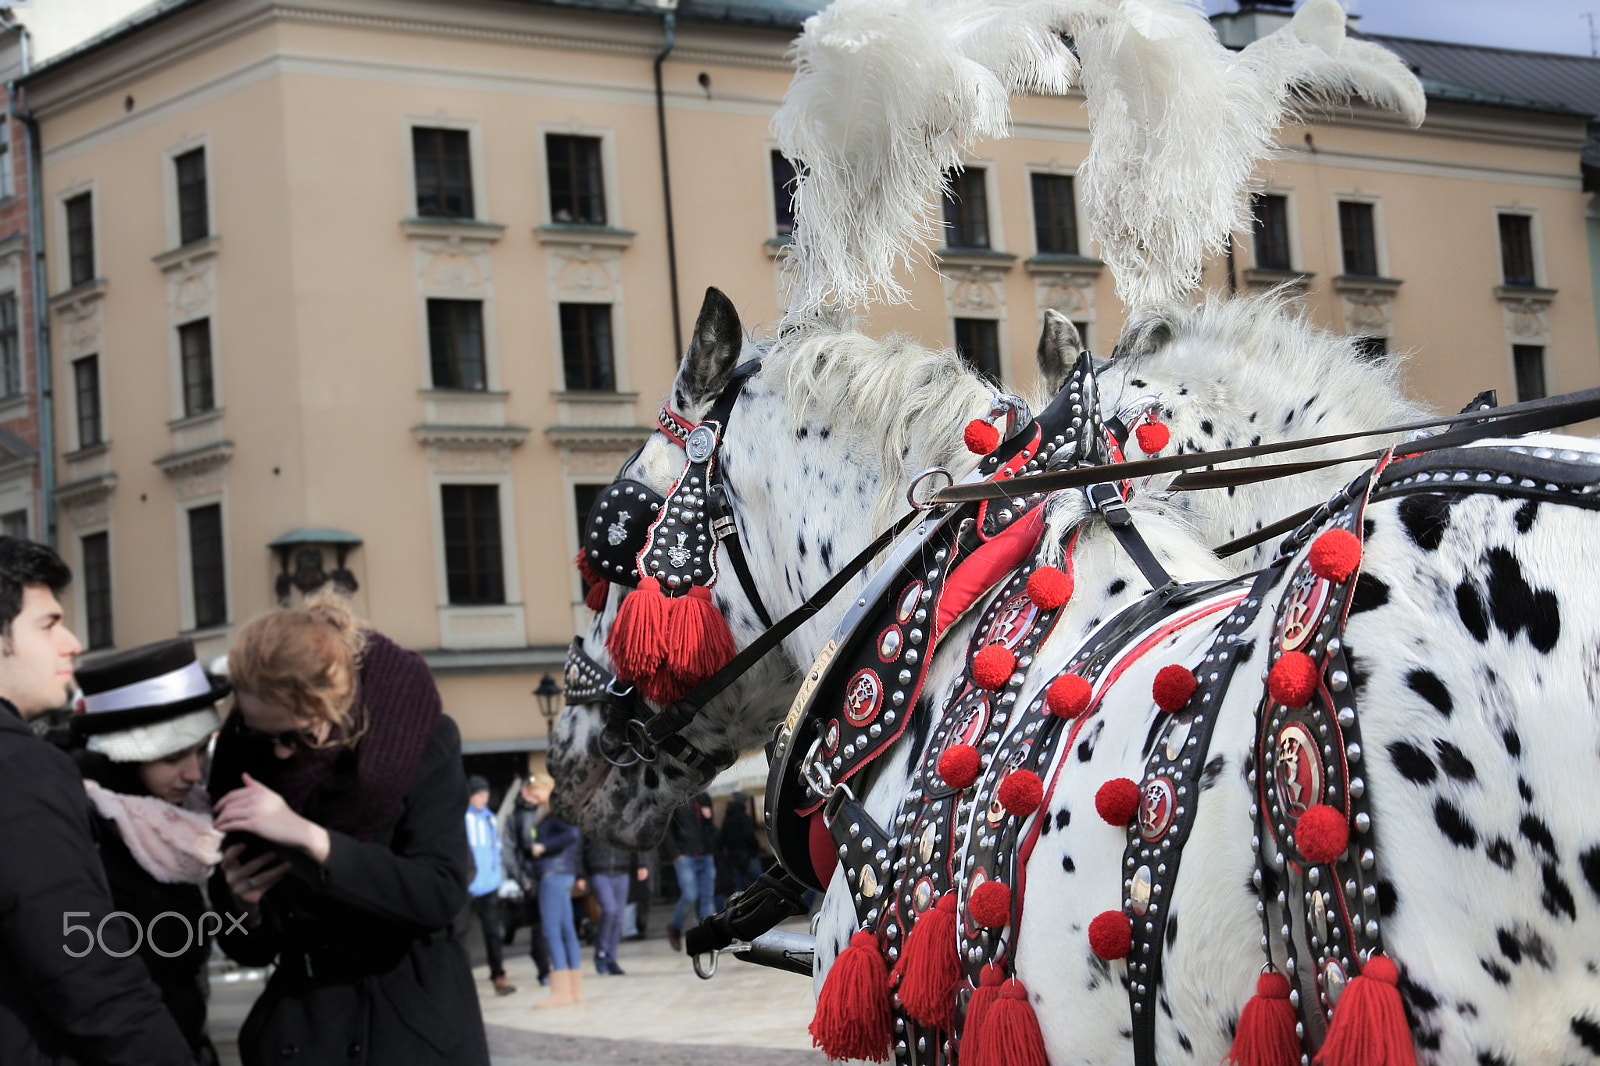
(193, 252)
(88, 452)
(978, 258)
(458, 229)
(14, 407)
(194, 460)
(82, 293)
(595, 396)
(1267, 278)
(774, 246)
(1368, 283)
(1064, 263)
(500, 625)
(191, 421)
(469, 436)
(577, 234)
(486, 395)
(1525, 293)
(210, 632)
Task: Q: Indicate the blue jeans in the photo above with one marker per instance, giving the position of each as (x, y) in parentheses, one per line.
(555, 914)
(746, 871)
(697, 887)
(612, 890)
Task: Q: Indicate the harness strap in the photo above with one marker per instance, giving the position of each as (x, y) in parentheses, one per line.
(775, 897)
(1107, 499)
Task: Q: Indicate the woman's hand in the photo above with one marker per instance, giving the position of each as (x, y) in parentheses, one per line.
(537, 849)
(249, 881)
(255, 808)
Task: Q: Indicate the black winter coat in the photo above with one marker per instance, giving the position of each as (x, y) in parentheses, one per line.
(55, 1008)
(522, 829)
(369, 970)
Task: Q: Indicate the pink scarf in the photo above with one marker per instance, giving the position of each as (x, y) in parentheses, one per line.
(174, 844)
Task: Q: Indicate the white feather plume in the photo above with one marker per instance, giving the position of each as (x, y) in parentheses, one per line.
(889, 93)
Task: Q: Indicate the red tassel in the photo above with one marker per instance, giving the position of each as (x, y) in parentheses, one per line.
(1266, 1036)
(853, 1019)
(1369, 1027)
(1011, 1035)
(662, 687)
(638, 640)
(698, 641)
(586, 570)
(983, 997)
(929, 967)
(596, 595)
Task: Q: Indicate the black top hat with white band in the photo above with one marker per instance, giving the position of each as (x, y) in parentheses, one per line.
(140, 701)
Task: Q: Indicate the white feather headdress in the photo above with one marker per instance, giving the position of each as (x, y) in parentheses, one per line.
(888, 94)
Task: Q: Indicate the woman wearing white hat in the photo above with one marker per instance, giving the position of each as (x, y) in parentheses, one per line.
(146, 719)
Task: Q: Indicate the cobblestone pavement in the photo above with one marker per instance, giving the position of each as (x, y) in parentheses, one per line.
(660, 1013)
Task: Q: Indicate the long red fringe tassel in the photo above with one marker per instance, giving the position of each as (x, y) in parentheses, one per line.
(853, 1019)
(930, 968)
(1011, 1035)
(1266, 1035)
(698, 640)
(638, 638)
(989, 980)
(1369, 1026)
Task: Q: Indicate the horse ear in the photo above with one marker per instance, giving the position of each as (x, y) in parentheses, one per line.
(713, 351)
(1059, 346)
(1145, 335)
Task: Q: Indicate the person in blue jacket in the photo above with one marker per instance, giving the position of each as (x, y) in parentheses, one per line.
(483, 836)
(556, 847)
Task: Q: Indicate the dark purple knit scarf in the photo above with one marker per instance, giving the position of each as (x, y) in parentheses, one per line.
(355, 790)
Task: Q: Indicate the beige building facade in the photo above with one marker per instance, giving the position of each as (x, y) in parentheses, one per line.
(378, 292)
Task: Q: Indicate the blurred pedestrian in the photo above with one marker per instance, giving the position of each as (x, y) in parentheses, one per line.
(68, 994)
(522, 829)
(340, 781)
(556, 847)
(739, 842)
(483, 837)
(692, 845)
(148, 715)
(610, 872)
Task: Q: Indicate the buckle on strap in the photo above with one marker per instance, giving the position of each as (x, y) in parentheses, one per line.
(1106, 498)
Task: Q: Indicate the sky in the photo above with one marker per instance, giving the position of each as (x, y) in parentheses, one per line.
(1537, 25)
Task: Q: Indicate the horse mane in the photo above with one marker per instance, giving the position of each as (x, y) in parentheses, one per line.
(909, 402)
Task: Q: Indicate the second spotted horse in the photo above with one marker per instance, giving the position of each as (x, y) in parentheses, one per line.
(1466, 648)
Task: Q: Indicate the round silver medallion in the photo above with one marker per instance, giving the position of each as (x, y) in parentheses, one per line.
(701, 443)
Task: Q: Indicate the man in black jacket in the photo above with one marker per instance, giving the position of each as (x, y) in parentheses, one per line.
(71, 990)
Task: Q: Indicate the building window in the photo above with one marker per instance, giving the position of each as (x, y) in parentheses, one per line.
(194, 218)
(443, 171)
(586, 348)
(80, 239)
(1358, 237)
(205, 566)
(966, 210)
(783, 185)
(14, 524)
(577, 190)
(8, 185)
(86, 383)
(1516, 250)
(1372, 349)
(455, 344)
(1055, 219)
(97, 589)
(978, 342)
(583, 497)
(1272, 231)
(473, 563)
(1528, 360)
(10, 346)
(194, 348)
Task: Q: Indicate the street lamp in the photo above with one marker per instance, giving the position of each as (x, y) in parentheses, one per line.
(548, 692)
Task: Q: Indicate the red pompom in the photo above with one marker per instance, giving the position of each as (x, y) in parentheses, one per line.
(1021, 793)
(1049, 587)
(958, 766)
(1068, 696)
(853, 1018)
(992, 667)
(990, 978)
(1293, 679)
(1173, 686)
(1117, 801)
(698, 640)
(1111, 935)
(1152, 437)
(1322, 833)
(980, 437)
(1368, 1027)
(1335, 554)
(930, 968)
(596, 596)
(1265, 1035)
(1011, 1035)
(990, 905)
(638, 638)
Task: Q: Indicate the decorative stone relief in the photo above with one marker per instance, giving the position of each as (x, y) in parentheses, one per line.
(192, 292)
(88, 505)
(452, 267)
(196, 481)
(1367, 313)
(577, 462)
(975, 295)
(1527, 314)
(586, 273)
(448, 459)
(81, 329)
(1069, 294)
